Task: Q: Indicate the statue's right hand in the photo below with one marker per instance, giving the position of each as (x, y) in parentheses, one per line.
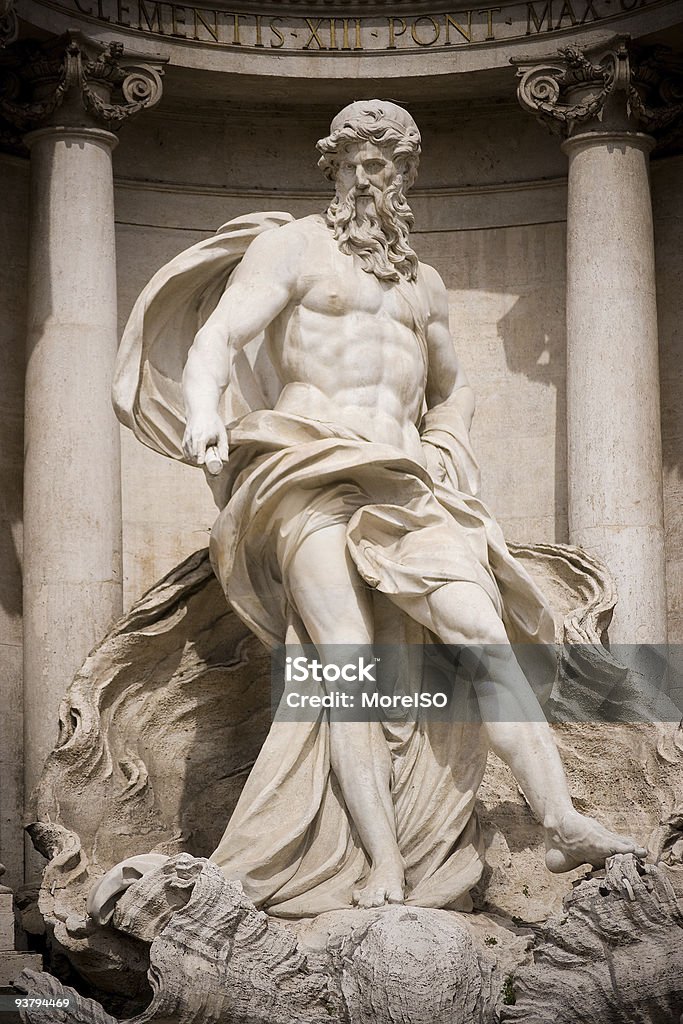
(202, 432)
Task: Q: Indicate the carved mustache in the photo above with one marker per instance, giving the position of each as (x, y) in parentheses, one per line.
(363, 192)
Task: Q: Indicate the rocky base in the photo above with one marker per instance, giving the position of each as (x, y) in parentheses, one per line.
(214, 957)
(614, 955)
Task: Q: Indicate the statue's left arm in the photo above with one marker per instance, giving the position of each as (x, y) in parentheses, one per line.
(447, 382)
(449, 399)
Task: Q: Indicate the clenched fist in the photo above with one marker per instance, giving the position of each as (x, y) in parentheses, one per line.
(204, 432)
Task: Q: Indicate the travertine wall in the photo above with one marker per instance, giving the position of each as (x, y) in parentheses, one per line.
(667, 189)
(506, 287)
(167, 507)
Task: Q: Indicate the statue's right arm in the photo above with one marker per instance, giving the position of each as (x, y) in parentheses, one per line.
(260, 288)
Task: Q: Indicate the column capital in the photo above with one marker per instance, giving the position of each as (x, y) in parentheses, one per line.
(619, 87)
(74, 81)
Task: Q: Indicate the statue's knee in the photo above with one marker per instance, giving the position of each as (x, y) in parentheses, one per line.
(481, 626)
(485, 643)
(494, 636)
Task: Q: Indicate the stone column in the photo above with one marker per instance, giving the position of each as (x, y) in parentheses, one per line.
(72, 464)
(72, 96)
(613, 411)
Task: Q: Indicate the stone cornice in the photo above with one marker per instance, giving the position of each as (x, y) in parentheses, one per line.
(441, 36)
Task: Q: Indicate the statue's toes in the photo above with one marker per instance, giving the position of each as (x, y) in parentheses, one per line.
(368, 898)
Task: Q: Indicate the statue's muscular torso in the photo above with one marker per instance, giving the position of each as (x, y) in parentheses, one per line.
(353, 342)
(347, 348)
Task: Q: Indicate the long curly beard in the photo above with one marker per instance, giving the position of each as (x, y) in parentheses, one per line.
(379, 236)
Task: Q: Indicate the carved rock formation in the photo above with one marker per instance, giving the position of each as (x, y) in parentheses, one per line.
(158, 733)
(216, 958)
(615, 955)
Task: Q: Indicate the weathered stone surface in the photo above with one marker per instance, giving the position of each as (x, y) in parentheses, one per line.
(620, 741)
(614, 955)
(409, 965)
(161, 726)
(13, 963)
(80, 1010)
(217, 958)
(157, 735)
(6, 929)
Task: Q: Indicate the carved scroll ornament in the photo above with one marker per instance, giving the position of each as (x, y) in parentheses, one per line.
(9, 25)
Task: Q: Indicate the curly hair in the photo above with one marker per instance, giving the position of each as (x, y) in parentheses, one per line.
(373, 122)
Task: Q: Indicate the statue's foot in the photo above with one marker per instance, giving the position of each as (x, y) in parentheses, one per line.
(577, 839)
(385, 884)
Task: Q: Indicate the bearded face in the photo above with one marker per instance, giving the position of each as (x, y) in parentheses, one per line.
(369, 216)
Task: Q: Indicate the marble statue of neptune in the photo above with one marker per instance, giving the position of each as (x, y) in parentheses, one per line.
(324, 387)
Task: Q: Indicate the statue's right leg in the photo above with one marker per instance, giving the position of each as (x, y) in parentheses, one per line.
(336, 609)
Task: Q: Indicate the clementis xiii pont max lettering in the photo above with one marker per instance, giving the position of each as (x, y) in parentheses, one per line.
(471, 27)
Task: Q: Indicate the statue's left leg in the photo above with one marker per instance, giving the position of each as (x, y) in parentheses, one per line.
(462, 614)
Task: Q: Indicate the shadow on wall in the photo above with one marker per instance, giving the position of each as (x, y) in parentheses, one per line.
(671, 365)
(11, 515)
(19, 344)
(534, 341)
(507, 292)
(668, 206)
(12, 371)
(668, 226)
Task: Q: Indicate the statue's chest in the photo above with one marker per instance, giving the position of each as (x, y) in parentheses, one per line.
(341, 290)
